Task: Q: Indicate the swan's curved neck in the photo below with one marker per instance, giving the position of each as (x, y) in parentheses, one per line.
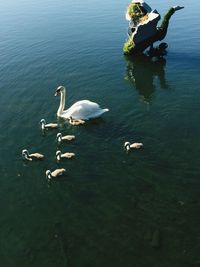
(58, 157)
(62, 103)
(127, 146)
(43, 125)
(49, 176)
(27, 156)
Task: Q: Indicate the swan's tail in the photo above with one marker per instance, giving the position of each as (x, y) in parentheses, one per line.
(98, 113)
(103, 111)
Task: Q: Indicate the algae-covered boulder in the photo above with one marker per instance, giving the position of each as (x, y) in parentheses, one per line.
(136, 10)
(143, 30)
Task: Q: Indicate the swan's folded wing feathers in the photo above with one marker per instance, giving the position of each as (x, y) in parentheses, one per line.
(84, 109)
(67, 155)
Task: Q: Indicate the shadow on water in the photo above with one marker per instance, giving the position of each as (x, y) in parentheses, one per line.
(142, 70)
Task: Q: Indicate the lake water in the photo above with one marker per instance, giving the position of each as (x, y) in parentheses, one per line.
(112, 208)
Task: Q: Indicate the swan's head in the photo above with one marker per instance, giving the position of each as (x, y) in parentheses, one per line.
(48, 175)
(59, 137)
(25, 154)
(58, 155)
(127, 146)
(59, 90)
(70, 119)
(43, 122)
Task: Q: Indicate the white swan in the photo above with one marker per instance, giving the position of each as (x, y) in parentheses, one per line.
(76, 121)
(48, 126)
(83, 109)
(67, 155)
(128, 145)
(30, 157)
(55, 173)
(61, 138)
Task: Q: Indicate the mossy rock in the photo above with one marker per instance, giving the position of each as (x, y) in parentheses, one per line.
(128, 47)
(134, 11)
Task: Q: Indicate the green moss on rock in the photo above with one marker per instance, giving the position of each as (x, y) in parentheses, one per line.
(128, 46)
(135, 12)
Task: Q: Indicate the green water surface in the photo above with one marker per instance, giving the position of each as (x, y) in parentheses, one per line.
(113, 208)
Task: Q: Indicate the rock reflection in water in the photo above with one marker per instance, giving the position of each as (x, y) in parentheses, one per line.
(142, 70)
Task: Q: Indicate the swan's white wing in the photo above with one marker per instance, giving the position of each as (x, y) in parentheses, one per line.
(84, 109)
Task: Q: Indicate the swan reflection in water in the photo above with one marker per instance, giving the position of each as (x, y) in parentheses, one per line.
(142, 71)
